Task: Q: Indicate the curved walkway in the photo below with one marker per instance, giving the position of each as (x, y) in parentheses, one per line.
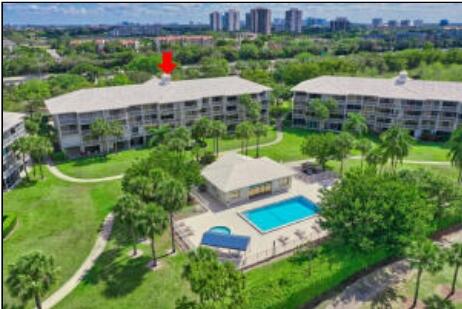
(56, 172)
(365, 289)
(96, 251)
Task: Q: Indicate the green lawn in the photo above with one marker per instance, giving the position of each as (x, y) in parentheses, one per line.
(57, 218)
(118, 281)
(289, 148)
(117, 163)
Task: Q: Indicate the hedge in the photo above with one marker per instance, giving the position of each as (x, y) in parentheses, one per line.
(9, 222)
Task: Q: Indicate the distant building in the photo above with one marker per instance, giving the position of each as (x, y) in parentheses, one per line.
(128, 29)
(248, 21)
(312, 22)
(201, 40)
(392, 23)
(293, 21)
(377, 22)
(444, 22)
(215, 21)
(232, 21)
(260, 20)
(340, 24)
(405, 23)
(418, 23)
(8, 45)
(13, 128)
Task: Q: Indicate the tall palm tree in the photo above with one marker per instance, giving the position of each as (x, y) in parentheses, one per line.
(260, 130)
(40, 149)
(22, 145)
(322, 109)
(245, 131)
(200, 130)
(375, 157)
(128, 211)
(395, 143)
(252, 107)
(355, 124)
(154, 222)
(172, 197)
(101, 129)
(117, 130)
(158, 135)
(31, 277)
(454, 257)
(455, 150)
(423, 255)
(364, 146)
(217, 131)
(344, 143)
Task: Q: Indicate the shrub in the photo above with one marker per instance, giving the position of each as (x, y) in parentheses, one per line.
(9, 222)
(208, 158)
(58, 156)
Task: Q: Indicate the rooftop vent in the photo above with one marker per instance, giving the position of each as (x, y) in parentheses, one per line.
(165, 80)
(402, 78)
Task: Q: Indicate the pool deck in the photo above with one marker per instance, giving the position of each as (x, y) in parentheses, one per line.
(274, 242)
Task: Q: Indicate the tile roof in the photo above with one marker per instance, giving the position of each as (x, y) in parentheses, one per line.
(391, 88)
(234, 171)
(95, 99)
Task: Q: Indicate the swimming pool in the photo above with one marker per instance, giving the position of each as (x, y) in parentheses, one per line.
(277, 215)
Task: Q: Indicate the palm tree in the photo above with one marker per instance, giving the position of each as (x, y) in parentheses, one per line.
(154, 222)
(376, 157)
(364, 146)
(252, 107)
(178, 140)
(245, 131)
(423, 255)
(260, 130)
(200, 130)
(129, 210)
(31, 277)
(355, 124)
(22, 145)
(322, 109)
(455, 150)
(454, 257)
(395, 143)
(40, 149)
(217, 130)
(172, 197)
(343, 145)
(117, 130)
(158, 135)
(101, 129)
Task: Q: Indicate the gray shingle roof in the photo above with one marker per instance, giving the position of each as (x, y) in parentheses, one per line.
(87, 100)
(10, 120)
(411, 89)
(234, 171)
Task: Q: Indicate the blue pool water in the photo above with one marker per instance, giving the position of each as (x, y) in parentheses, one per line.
(221, 229)
(273, 216)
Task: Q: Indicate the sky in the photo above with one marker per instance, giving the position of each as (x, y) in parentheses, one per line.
(152, 13)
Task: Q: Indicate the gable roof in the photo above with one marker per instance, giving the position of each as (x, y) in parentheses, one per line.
(390, 88)
(10, 120)
(152, 91)
(234, 171)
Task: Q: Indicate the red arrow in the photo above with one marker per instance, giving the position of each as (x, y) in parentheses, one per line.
(167, 66)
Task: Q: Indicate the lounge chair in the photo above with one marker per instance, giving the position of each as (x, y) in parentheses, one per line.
(300, 233)
(283, 239)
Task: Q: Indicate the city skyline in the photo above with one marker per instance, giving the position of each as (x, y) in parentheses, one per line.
(112, 13)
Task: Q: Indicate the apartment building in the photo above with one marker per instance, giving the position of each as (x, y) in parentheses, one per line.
(260, 20)
(293, 20)
(156, 102)
(424, 107)
(13, 128)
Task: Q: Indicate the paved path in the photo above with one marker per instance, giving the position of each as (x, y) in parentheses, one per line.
(368, 287)
(72, 283)
(56, 172)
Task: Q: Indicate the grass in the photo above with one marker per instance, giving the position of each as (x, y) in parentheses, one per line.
(289, 148)
(118, 281)
(57, 218)
(117, 163)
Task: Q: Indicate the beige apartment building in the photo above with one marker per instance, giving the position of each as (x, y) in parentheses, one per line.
(12, 164)
(426, 108)
(156, 102)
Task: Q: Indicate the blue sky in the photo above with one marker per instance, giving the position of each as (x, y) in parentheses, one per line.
(109, 13)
